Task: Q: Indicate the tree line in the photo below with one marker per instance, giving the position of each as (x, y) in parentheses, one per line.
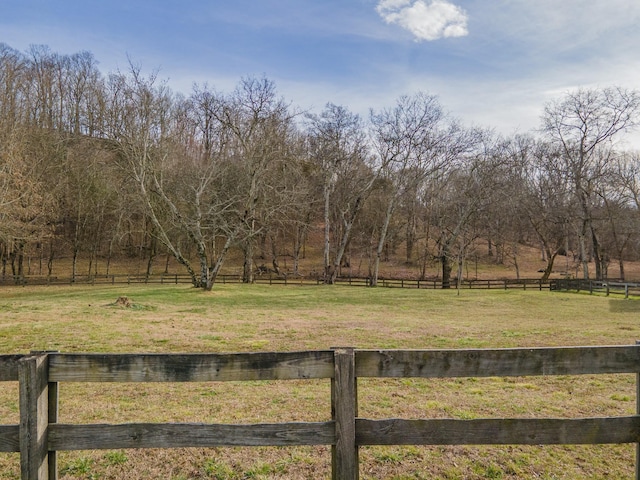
(98, 166)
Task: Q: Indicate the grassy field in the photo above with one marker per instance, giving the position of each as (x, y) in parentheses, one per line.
(236, 318)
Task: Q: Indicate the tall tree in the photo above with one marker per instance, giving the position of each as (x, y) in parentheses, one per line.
(412, 143)
(546, 200)
(585, 125)
(258, 121)
(339, 150)
(138, 125)
(462, 195)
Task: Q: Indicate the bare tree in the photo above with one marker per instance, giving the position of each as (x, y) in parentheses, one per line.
(462, 195)
(258, 121)
(623, 206)
(290, 205)
(138, 124)
(546, 201)
(412, 143)
(585, 124)
(339, 150)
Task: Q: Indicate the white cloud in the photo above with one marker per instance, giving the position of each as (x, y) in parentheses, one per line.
(425, 20)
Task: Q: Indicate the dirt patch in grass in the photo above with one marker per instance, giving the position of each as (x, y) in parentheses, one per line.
(125, 302)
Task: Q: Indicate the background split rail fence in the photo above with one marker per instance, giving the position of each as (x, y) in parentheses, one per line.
(272, 279)
(39, 435)
(593, 286)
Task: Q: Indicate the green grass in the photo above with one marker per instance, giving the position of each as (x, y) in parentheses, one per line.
(244, 318)
(235, 318)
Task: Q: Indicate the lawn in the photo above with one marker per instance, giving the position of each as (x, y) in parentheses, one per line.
(237, 318)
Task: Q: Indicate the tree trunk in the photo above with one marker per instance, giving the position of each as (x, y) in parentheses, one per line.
(381, 242)
(583, 251)
(597, 254)
(153, 249)
(212, 273)
(166, 263)
(20, 255)
(298, 242)
(327, 231)
(339, 254)
(274, 255)
(411, 237)
(12, 258)
(74, 265)
(551, 257)
(210, 282)
(446, 271)
(621, 266)
(247, 265)
(348, 225)
(50, 259)
(447, 267)
(3, 248)
(109, 257)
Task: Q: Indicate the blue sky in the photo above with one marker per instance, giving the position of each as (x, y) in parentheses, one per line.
(492, 63)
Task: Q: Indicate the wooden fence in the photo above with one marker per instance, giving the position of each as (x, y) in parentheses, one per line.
(592, 286)
(271, 279)
(39, 435)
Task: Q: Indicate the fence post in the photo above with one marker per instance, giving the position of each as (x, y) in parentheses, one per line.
(344, 409)
(34, 417)
(53, 416)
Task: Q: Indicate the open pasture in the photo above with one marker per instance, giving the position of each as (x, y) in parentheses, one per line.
(236, 318)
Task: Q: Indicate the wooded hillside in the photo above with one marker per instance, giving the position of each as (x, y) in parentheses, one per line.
(104, 166)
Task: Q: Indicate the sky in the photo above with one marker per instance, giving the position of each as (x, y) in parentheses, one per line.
(492, 63)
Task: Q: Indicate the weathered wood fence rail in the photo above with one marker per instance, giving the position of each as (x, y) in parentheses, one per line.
(593, 286)
(39, 435)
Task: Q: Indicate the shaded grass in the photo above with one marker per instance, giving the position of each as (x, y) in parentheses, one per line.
(236, 318)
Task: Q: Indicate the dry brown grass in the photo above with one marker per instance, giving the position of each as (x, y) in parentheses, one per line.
(262, 318)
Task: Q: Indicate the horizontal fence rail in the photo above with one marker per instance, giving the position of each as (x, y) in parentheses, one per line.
(39, 435)
(190, 367)
(272, 279)
(522, 431)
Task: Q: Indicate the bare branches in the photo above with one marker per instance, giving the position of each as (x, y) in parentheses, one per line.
(120, 161)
